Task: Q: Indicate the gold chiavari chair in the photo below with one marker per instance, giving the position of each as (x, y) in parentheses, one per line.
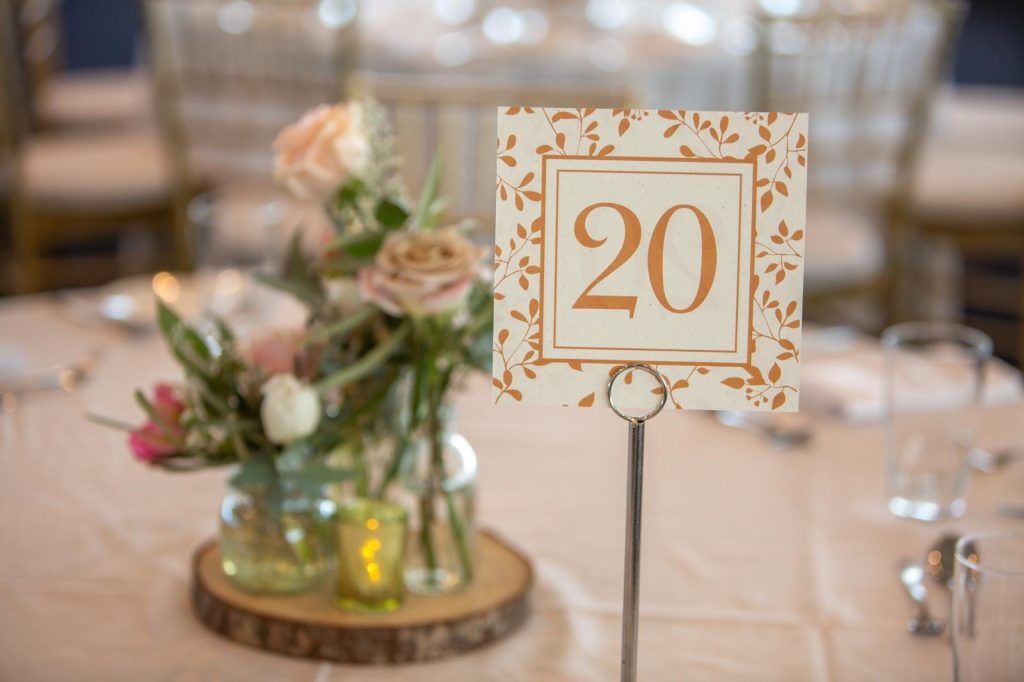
(868, 79)
(68, 188)
(11, 125)
(64, 100)
(231, 73)
(457, 116)
(969, 198)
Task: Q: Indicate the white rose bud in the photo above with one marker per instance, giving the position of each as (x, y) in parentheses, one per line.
(290, 409)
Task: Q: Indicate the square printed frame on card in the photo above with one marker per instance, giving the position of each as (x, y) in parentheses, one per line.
(670, 238)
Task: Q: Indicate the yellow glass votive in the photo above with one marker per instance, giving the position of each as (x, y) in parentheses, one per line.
(371, 555)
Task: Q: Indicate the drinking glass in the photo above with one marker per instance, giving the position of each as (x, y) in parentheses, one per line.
(988, 608)
(234, 232)
(237, 229)
(933, 382)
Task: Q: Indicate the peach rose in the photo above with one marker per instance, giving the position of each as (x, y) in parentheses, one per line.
(421, 273)
(316, 154)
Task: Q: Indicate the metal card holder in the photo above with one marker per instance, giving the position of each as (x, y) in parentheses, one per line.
(634, 507)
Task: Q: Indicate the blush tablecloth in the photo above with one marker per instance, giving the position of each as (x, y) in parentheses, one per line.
(758, 564)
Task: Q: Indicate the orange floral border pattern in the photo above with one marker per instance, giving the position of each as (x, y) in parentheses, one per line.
(776, 142)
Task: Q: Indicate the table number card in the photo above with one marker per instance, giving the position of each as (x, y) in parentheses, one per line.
(671, 238)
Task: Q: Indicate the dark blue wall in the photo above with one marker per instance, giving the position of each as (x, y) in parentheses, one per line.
(100, 33)
(992, 44)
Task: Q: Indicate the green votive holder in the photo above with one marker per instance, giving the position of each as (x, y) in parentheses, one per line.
(371, 555)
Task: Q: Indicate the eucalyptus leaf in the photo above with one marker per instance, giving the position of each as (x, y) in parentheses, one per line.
(344, 266)
(184, 342)
(255, 472)
(223, 330)
(390, 213)
(297, 277)
(361, 245)
(323, 474)
(295, 456)
(480, 352)
(348, 194)
(309, 295)
(110, 422)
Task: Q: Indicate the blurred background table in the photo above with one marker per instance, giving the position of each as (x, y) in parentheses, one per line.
(759, 564)
(116, 113)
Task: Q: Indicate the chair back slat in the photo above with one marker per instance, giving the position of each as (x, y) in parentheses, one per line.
(231, 73)
(458, 116)
(867, 80)
(14, 117)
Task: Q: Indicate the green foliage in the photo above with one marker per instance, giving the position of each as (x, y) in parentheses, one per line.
(338, 331)
(257, 472)
(377, 374)
(391, 213)
(426, 214)
(298, 276)
(365, 365)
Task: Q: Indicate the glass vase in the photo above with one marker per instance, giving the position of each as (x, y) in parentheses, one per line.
(439, 484)
(276, 540)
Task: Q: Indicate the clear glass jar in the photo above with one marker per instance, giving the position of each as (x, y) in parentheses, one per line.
(277, 541)
(440, 496)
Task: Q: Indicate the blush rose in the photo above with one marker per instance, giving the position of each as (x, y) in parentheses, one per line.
(421, 273)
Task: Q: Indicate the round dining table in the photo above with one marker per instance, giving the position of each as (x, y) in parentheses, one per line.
(758, 563)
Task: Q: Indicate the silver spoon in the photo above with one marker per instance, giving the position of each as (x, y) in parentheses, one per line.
(941, 558)
(912, 578)
(782, 436)
(991, 461)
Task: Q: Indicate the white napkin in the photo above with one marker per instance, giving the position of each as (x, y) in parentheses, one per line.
(849, 384)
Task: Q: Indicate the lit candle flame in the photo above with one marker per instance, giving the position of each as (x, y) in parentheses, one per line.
(369, 553)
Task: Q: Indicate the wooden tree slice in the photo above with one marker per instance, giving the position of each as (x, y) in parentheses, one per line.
(423, 629)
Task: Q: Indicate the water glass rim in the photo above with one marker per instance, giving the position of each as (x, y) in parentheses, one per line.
(974, 538)
(360, 509)
(898, 335)
(268, 207)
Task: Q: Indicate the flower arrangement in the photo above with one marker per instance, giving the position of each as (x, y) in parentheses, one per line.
(421, 314)
(254, 405)
(397, 313)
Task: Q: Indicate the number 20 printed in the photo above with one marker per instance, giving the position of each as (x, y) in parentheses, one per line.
(632, 236)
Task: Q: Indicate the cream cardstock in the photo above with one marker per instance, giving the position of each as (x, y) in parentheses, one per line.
(671, 238)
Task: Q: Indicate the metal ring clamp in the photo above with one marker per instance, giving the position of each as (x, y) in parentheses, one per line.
(653, 372)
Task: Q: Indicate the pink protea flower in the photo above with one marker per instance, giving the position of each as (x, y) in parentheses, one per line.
(153, 441)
